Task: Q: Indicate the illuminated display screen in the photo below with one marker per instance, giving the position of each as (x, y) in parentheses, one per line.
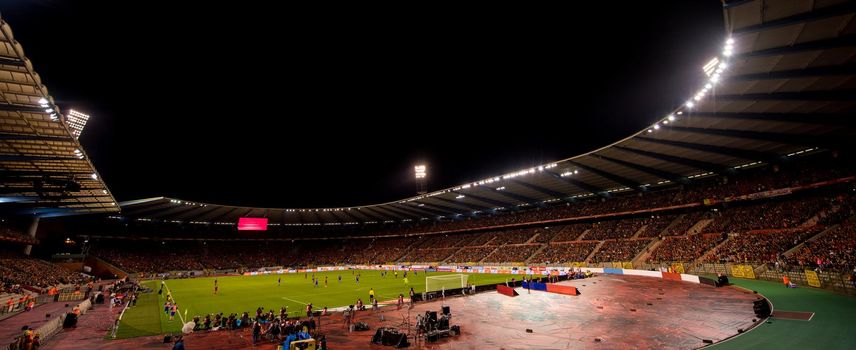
(252, 224)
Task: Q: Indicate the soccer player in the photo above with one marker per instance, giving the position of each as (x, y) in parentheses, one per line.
(340, 278)
(325, 281)
(406, 282)
(316, 283)
(358, 279)
(395, 273)
(215, 287)
(371, 293)
(279, 281)
(173, 311)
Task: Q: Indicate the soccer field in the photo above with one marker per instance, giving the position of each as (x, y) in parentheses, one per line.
(238, 294)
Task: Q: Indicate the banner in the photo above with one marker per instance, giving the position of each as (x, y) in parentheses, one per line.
(743, 271)
(812, 279)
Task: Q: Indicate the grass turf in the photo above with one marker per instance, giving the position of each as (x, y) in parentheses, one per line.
(246, 293)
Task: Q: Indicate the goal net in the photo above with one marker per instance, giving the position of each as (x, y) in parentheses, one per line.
(435, 283)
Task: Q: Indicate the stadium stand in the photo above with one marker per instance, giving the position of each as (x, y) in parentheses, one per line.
(760, 247)
(565, 252)
(620, 250)
(684, 248)
(836, 250)
(19, 270)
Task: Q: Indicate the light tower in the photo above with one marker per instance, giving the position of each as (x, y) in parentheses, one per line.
(421, 173)
(77, 121)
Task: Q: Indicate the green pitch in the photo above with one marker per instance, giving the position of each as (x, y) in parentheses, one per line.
(237, 294)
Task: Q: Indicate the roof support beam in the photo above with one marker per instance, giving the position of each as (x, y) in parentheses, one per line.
(142, 209)
(443, 208)
(645, 169)
(817, 45)
(179, 213)
(340, 216)
(379, 214)
(471, 206)
(224, 215)
(508, 194)
(353, 217)
(371, 215)
(808, 118)
(21, 172)
(11, 62)
(623, 181)
(694, 163)
(579, 184)
(829, 95)
(19, 108)
(728, 151)
(211, 218)
(846, 69)
(424, 210)
(492, 202)
(196, 216)
(788, 139)
(7, 136)
(407, 214)
(540, 189)
(21, 158)
(814, 15)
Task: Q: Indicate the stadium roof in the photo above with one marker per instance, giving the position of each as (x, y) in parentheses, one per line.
(44, 170)
(782, 86)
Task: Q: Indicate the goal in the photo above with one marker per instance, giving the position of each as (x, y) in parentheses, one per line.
(442, 282)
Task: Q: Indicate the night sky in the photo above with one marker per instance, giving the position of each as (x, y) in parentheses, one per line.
(245, 104)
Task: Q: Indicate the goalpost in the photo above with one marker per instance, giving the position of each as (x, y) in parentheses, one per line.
(442, 282)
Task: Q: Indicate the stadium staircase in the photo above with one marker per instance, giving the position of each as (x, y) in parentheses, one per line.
(593, 251)
(819, 235)
(489, 241)
(640, 259)
(580, 238)
(532, 238)
(700, 259)
(699, 226)
(674, 222)
(543, 246)
(639, 231)
(820, 215)
(410, 247)
(491, 253)
(457, 251)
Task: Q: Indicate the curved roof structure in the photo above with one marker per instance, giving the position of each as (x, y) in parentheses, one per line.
(44, 170)
(782, 86)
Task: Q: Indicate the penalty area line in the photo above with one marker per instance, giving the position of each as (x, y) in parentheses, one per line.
(296, 301)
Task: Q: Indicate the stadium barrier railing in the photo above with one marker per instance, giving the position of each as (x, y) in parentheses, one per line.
(835, 281)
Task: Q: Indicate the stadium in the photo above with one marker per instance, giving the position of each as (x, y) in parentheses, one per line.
(728, 221)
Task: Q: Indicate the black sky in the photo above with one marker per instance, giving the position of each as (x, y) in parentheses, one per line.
(249, 104)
